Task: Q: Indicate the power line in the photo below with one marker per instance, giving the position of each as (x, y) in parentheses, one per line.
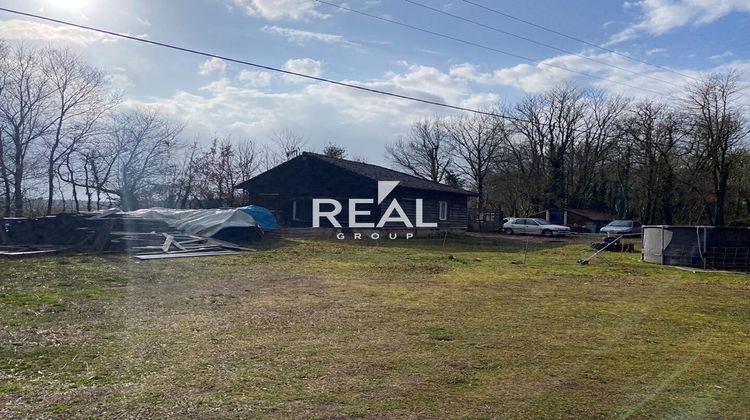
(583, 41)
(248, 63)
(474, 44)
(278, 70)
(533, 41)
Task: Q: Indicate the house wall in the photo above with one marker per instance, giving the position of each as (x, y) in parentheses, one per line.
(303, 179)
(457, 208)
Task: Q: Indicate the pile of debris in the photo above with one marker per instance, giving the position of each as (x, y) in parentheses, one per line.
(613, 244)
(106, 232)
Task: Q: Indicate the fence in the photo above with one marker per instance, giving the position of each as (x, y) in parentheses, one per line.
(730, 258)
(475, 215)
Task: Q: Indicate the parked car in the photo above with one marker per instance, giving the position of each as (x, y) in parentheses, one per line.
(622, 227)
(532, 226)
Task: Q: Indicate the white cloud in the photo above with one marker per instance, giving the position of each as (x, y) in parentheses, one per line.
(660, 16)
(643, 81)
(526, 77)
(363, 121)
(211, 66)
(306, 66)
(37, 31)
(255, 78)
(725, 54)
(481, 100)
(300, 37)
(120, 81)
(654, 51)
(278, 9)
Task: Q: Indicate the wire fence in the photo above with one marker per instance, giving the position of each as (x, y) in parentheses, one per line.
(713, 257)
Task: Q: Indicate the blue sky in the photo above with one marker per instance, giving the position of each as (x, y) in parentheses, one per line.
(218, 98)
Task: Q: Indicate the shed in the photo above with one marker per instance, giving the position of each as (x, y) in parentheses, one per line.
(590, 220)
(288, 190)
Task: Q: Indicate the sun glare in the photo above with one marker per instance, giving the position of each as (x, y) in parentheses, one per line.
(70, 4)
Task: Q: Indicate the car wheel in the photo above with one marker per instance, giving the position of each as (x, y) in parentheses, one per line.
(508, 231)
(547, 233)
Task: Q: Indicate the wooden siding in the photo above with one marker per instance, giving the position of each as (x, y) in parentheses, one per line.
(303, 179)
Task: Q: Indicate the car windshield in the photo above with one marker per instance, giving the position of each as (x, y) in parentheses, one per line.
(542, 221)
(621, 223)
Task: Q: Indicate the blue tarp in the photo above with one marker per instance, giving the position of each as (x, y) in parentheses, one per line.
(263, 217)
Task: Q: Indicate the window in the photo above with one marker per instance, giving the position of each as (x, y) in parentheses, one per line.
(443, 207)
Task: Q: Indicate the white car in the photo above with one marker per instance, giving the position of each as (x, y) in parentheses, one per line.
(532, 226)
(622, 227)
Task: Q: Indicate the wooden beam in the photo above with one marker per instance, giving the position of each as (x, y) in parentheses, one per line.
(167, 242)
(185, 255)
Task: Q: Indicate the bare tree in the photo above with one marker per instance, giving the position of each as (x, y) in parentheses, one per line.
(24, 111)
(80, 100)
(5, 158)
(425, 152)
(287, 145)
(719, 129)
(139, 155)
(247, 159)
(592, 145)
(185, 178)
(656, 133)
(549, 124)
(216, 170)
(477, 140)
(334, 150)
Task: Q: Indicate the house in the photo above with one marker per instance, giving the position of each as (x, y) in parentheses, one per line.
(288, 191)
(577, 218)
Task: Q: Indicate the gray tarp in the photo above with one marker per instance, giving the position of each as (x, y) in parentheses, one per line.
(197, 222)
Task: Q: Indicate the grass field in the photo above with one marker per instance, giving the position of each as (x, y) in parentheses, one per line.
(402, 329)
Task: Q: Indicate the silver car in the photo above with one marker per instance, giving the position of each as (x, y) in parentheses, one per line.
(622, 227)
(533, 226)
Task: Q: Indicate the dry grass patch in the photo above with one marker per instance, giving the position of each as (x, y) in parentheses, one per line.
(403, 329)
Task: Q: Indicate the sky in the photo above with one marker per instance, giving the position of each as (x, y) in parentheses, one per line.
(684, 38)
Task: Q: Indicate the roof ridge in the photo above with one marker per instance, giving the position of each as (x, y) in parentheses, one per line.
(333, 160)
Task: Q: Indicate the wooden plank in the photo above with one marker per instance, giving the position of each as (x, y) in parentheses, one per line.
(185, 255)
(22, 254)
(105, 213)
(190, 241)
(193, 250)
(225, 244)
(212, 241)
(179, 246)
(167, 242)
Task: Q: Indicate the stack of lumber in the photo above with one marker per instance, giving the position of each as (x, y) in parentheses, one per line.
(151, 246)
(105, 232)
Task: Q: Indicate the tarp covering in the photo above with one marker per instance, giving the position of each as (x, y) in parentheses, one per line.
(201, 222)
(263, 217)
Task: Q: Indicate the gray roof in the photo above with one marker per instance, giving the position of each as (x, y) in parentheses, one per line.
(379, 173)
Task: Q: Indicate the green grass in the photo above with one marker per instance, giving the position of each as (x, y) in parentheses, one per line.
(398, 329)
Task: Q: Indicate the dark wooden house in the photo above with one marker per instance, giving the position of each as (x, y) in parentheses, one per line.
(288, 190)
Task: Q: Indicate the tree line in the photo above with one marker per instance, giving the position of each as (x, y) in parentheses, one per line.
(682, 159)
(69, 143)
